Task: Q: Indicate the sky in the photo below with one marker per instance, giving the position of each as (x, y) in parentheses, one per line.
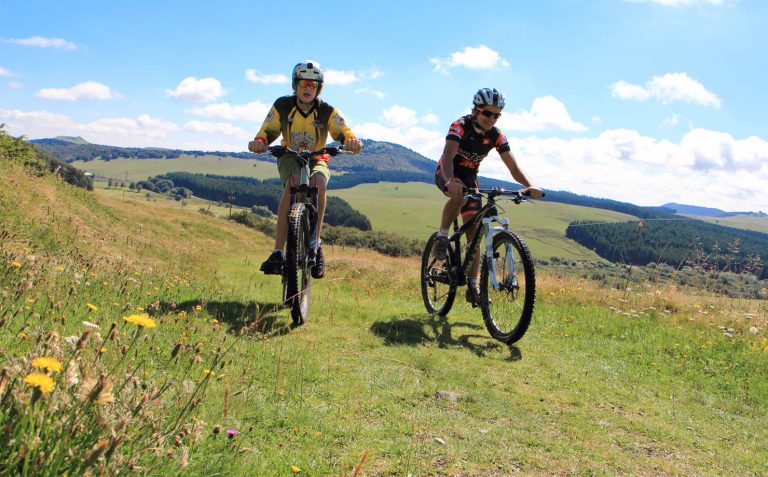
(643, 101)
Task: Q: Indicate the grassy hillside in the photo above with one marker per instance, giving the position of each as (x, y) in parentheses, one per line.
(748, 222)
(132, 170)
(604, 383)
(413, 210)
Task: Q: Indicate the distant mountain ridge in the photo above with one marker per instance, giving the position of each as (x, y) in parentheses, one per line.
(379, 161)
(683, 209)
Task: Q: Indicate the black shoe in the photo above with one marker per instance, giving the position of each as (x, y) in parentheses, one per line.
(473, 296)
(440, 248)
(273, 265)
(318, 269)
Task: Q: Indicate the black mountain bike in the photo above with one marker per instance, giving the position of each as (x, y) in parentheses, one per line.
(302, 223)
(507, 277)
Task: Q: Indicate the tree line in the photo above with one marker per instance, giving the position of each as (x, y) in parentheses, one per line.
(249, 192)
(678, 242)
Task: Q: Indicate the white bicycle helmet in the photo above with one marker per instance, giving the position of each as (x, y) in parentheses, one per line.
(488, 96)
(308, 70)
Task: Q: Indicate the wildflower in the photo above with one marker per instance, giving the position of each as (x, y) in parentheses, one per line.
(295, 469)
(42, 382)
(232, 433)
(16, 264)
(90, 325)
(92, 307)
(59, 268)
(51, 364)
(23, 335)
(142, 320)
(72, 339)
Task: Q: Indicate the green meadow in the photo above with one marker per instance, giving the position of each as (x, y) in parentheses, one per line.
(166, 353)
(749, 222)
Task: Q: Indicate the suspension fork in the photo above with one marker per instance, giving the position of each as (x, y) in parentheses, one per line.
(489, 232)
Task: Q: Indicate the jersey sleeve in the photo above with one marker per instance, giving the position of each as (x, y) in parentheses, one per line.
(456, 131)
(270, 129)
(502, 145)
(338, 128)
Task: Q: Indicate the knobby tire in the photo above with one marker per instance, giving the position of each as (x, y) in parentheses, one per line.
(507, 312)
(297, 269)
(438, 287)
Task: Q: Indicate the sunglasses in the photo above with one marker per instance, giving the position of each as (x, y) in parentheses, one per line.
(489, 114)
(309, 84)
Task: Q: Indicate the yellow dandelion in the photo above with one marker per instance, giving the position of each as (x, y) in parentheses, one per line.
(59, 268)
(143, 320)
(138, 308)
(16, 264)
(295, 469)
(43, 382)
(23, 335)
(92, 307)
(51, 364)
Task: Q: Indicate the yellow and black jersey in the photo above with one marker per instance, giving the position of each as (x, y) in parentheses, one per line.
(303, 131)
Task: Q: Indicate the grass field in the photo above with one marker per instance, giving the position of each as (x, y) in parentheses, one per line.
(131, 170)
(604, 383)
(413, 210)
(749, 222)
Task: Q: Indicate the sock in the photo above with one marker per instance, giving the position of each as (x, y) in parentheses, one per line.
(442, 232)
(472, 282)
(315, 243)
(282, 254)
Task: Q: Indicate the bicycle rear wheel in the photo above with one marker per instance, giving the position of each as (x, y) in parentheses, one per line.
(508, 306)
(438, 288)
(297, 267)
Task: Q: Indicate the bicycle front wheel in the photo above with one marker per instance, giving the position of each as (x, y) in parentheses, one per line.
(507, 288)
(297, 266)
(438, 288)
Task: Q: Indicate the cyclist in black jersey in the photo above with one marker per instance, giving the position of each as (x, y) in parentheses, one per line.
(469, 140)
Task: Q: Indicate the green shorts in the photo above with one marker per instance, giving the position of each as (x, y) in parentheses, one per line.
(288, 164)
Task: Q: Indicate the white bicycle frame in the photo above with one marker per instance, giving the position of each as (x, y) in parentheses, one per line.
(489, 233)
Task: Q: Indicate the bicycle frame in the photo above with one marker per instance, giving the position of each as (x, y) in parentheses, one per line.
(309, 192)
(487, 232)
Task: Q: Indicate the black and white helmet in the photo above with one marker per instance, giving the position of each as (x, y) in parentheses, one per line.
(488, 96)
(308, 70)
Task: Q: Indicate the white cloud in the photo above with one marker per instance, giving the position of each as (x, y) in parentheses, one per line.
(253, 111)
(200, 90)
(547, 114)
(15, 85)
(667, 88)
(4, 72)
(85, 90)
(255, 77)
(43, 42)
(340, 77)
(679, 3)
(400, 116)
(473, 58)
(370, 91)
(216, 128)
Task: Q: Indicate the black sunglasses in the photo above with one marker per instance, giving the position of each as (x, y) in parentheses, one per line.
(489, 114)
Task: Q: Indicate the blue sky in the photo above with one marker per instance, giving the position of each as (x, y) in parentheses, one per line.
(646, 101)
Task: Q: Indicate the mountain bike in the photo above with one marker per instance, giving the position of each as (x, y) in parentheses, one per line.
(302, 226)
(507, 276)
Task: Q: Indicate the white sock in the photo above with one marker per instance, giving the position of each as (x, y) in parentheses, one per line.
(442, 232)
(282, 254)
(472, 282)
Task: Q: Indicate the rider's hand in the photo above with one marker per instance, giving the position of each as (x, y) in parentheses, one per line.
(257, 146)
(534, 192)
(353, 145)
(454, 187)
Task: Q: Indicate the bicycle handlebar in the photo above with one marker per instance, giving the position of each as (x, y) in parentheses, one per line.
(495, 192)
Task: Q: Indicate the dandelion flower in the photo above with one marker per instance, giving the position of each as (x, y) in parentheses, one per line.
(16, 264)
(295, 469)
(51, 364)
(142, 320)
(92, 307)
(43, 382)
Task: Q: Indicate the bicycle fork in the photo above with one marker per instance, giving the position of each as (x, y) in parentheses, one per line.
(509, 265)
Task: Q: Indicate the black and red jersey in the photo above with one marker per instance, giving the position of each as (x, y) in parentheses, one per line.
(474, 145)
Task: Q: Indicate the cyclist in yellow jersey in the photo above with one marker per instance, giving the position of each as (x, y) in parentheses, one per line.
(304, 121)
